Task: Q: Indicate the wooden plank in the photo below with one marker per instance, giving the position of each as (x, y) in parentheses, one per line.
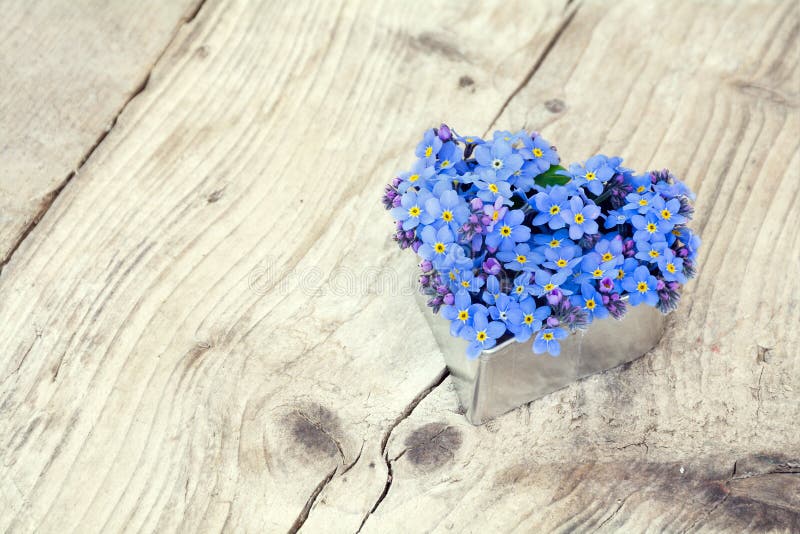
(181, 352)
(67, 70)
(711, 90)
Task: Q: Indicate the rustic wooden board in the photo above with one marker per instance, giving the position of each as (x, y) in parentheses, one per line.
(159, 375)
(67, 69)
(652, 446)
(210, 330)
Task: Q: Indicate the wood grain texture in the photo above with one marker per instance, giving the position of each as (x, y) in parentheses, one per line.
(211, 331)
(181, 353)
(652, 445)
(67, 69)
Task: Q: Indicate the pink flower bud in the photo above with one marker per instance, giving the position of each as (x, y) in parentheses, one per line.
(492, 266)
(606, 285)
(554, 297)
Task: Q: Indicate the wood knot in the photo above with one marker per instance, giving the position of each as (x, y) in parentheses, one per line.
(433, 445)
(215, 195)
(314, 428)
(555, 105)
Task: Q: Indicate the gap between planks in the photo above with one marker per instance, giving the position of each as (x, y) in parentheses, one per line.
(50, 198)
(551, 44)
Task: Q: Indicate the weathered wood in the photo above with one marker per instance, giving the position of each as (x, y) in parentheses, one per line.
(703, 89)
(66, 71)
(201, 334)
(167, 364)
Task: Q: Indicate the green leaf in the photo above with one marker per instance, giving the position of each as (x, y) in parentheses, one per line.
(549, 177)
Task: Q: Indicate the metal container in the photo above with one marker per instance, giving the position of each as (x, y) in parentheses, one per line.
(510, 374)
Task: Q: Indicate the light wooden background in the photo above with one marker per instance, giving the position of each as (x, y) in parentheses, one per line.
(184, 186)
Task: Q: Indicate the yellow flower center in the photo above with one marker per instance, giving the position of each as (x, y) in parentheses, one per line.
(676, 232)
(439, 248)
(671, 267)
(521, 258)
(590, 305)
(495, 215)
(428, 151)
(452, 275)
(608, 256)
(666, 214)
(651, 227)
(493, 188)
(555, 209)
(547, 336)
(505, 230)
(469, 139)
(519, 289)
(464, 283)
(537, 152)
(528, 318)
(641, 287)
(413, 178)
(643, 202)
(463, 315)
(620, 274)
(481, 335)
(549, 287)
(445, 164)
(414, 211)
(590, 176)
(597, 273)
(579, 218)
(640, 189)
(554, 243)
(561, 262)
(447, 215)
(497, 164)
(654, 253)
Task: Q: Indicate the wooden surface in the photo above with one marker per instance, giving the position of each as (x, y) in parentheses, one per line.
(67, 69)
(208, 329)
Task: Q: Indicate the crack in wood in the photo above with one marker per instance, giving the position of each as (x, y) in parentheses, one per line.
(614, 513)
(191, 16)
(754, 467)
(57, 367)
(410, 408)
(298, 523)
(444, 373)
(758, 393)
(537, 64)
(21, 361)
(320, 428)
(354, 462)
(49, 199)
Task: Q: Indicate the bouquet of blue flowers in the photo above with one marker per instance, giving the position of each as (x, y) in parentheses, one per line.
(515, 245)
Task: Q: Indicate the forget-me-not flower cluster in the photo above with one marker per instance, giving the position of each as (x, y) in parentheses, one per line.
(514, 245)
